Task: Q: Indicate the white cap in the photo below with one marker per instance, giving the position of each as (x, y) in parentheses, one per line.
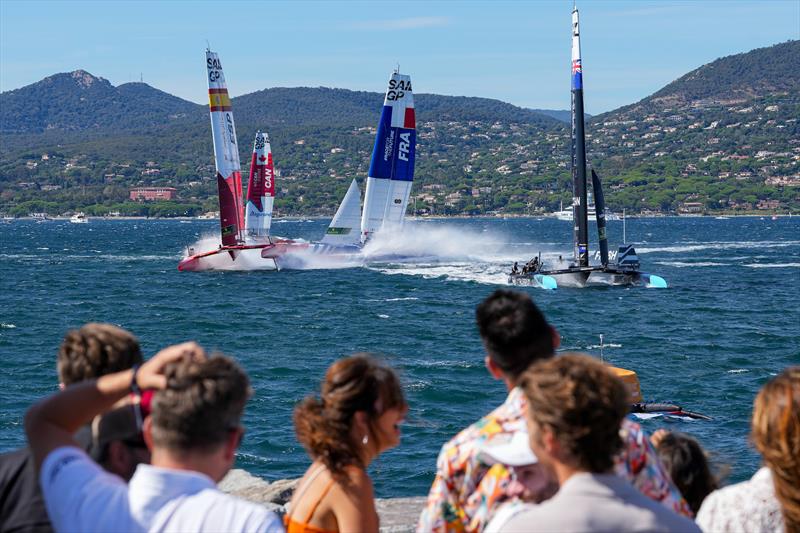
(512, 449)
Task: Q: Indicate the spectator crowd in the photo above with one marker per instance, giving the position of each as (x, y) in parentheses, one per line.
(132, 445)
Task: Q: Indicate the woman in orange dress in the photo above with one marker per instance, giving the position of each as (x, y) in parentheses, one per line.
(356, 417)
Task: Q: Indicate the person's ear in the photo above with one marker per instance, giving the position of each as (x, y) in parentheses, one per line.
(361, 423)
(232, 443)
(492, 367)
(147, 432)
(550, 442)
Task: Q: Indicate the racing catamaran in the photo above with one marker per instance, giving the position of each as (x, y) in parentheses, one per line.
(625, 271)
(391, 174)
(244, 230)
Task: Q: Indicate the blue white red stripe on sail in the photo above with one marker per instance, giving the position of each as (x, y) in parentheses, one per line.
(393, 156)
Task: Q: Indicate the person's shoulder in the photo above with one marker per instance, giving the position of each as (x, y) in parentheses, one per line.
(63, 461)
(492, 422)
(506, 517)
(246, 515)
(11, 463)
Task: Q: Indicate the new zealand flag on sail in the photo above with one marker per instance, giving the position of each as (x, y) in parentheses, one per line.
(577, 75)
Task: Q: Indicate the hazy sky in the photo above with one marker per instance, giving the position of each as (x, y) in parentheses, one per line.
(517, 52)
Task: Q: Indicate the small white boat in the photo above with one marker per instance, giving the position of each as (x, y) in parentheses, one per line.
(79, 218)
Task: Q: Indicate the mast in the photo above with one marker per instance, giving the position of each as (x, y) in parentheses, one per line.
(579, 210)
(226, 154)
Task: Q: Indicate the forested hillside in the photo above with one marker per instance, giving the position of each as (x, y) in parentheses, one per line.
(725, 136)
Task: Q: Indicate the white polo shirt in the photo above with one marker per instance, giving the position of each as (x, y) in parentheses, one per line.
(81, 496)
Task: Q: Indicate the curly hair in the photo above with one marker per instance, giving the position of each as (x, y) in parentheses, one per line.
(352, 384)
(583, 403)
(201, 404)
(514, 331)
(95, 350)
(775, 430)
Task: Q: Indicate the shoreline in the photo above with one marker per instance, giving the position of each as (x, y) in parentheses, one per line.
(548, 216)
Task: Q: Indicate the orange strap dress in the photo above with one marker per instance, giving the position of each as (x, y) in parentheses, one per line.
(293, 526)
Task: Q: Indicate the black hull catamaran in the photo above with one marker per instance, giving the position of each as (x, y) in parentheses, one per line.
(580, 273)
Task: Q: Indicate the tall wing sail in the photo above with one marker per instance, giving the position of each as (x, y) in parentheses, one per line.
(260, 191)
(391, 170)
(579, 208)
(226, 154)
(347, 220)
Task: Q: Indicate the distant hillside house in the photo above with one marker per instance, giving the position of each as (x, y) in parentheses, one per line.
(146, 194)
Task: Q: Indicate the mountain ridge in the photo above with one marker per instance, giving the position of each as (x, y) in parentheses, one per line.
(730, 144)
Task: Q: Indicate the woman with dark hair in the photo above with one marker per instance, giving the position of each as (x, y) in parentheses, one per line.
(770, 500)
(356, 417)
(687, 464)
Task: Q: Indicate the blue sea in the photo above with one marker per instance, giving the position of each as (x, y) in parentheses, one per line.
(728, 322)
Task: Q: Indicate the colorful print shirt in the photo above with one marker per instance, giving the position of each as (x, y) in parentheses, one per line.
(467, 490)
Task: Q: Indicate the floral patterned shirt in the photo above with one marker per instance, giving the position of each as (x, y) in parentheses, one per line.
(747, 506)
(467, 490)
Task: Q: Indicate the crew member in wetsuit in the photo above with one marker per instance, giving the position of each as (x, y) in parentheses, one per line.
(514, 269)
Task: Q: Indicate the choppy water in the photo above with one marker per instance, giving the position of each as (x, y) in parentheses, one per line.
(729, 321)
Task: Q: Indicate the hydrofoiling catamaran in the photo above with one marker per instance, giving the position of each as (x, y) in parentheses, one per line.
(391, 174)
(244, 230)
(625, 271)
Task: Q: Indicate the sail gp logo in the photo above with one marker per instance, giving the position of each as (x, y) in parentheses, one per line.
(214, 68)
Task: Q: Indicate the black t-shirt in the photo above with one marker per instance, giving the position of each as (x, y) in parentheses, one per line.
(21, 503)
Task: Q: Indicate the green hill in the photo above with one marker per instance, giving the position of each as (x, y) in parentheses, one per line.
(725, 135)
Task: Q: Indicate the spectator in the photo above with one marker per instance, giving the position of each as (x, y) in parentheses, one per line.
(770, 500)
(95, 350)
(192, 432)
(575, 411)
(687, 464)
(86, 353)
(355, 419)
(467, 490)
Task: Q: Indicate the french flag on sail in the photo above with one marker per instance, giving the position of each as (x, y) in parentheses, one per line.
(393, 156)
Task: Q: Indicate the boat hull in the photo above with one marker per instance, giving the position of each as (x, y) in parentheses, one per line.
(588, 276)
(244, 257)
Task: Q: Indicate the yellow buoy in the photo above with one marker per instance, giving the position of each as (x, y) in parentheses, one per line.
(631, 381)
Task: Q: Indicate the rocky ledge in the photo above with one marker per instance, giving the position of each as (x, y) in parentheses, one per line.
(396, 514)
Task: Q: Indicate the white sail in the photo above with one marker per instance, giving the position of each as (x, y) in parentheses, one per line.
(391, 169)
(260, 191)
(344, 227)
(226, 153)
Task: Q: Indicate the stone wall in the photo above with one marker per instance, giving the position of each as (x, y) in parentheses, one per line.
(396, 514)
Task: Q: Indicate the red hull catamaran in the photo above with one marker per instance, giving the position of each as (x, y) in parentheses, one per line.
(244, 230)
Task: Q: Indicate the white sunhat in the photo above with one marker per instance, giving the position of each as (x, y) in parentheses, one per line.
(512, 449)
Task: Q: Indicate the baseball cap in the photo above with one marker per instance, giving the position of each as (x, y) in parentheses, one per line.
(123, 423)
(512, 449)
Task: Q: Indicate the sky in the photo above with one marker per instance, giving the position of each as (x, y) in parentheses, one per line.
(514, 51)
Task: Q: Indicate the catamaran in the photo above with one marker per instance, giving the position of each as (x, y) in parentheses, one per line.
(580, 273)
(244, 229)
(389, 180)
